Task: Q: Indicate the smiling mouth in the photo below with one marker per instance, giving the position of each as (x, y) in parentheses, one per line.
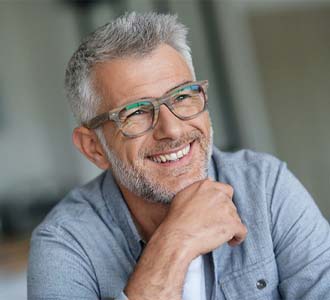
(170, 157)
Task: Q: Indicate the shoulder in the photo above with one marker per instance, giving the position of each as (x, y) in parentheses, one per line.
(256, 168)
(260, 182)
(243, 158)
(82, 244)
(82, 206)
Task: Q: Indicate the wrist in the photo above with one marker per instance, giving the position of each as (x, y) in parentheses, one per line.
(160, 276)
(177, 241)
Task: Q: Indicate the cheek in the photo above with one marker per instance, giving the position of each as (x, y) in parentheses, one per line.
(128, 150)
(124, 148)
(203, 123)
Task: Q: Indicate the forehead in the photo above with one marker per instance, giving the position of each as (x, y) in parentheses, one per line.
(123, 80)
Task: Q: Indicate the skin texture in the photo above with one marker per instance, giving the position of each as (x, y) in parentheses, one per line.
(189, 226)
(125, 80)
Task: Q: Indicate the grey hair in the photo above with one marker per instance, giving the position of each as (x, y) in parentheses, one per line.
(132, 34)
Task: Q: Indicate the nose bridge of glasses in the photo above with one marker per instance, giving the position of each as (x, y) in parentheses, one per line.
(163, 100)
(158, 103)
(166, 122)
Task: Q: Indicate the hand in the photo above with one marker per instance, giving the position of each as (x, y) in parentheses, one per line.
(204, 217)
(200, 218)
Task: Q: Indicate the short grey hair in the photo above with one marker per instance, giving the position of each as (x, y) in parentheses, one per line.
(132, 34)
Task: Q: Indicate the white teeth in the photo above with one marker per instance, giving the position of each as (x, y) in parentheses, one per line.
(171, 156)
(186, 150)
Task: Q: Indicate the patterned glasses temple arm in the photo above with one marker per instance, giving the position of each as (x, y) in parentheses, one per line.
(97, 121)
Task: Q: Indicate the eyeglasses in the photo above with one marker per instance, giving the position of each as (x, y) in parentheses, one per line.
(136, 118)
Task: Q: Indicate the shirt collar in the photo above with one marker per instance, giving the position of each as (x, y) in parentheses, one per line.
(121, 214)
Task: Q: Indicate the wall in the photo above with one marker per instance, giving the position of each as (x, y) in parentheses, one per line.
(293, 54)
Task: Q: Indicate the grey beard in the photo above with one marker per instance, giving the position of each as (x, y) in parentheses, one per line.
(137, 181)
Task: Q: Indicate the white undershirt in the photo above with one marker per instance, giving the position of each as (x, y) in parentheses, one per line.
(194, 285)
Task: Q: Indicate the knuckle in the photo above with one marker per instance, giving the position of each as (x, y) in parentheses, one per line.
(206, 183)
(225, 232)
(229, 188)
(226, 188)
(245, 229)
(226, 206)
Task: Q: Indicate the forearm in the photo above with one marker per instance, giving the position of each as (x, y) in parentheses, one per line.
(161, 269)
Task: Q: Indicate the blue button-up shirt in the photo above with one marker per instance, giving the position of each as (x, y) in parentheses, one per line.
(88, 245)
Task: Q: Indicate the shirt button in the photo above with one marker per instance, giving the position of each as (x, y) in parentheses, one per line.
(261, 284)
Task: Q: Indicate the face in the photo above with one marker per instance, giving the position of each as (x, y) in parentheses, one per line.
(175, 153)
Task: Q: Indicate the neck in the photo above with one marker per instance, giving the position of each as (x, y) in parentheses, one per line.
(146, 215)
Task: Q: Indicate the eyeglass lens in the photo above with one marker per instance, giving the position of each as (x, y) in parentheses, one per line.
(138, 117)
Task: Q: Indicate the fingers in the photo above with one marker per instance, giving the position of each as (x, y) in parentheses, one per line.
(240, 235)
(218, 220)
(239, 228)
(228, 190)
(225, 188)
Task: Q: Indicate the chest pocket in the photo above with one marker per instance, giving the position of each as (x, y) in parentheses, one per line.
(256, 282)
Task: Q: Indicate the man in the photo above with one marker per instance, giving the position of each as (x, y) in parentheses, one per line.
(171, 217)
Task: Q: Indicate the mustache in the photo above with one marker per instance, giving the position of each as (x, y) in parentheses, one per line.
(168, 145)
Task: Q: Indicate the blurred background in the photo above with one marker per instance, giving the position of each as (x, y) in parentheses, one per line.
(268, 63)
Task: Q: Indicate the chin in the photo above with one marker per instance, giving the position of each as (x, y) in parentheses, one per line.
(182, 182)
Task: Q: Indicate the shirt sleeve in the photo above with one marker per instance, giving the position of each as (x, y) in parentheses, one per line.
(301, 237)
(59, 268)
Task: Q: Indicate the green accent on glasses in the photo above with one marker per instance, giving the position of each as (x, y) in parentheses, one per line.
(138, 104)
(138, 117)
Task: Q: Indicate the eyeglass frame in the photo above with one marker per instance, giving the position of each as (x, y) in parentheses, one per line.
(113, 115)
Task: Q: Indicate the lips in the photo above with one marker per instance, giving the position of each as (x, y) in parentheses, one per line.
(172, 156)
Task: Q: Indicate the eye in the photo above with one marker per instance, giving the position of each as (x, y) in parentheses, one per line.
(182, 97)
(137, 109)
(137, 113)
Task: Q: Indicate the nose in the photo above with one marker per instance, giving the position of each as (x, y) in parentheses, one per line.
(168, 125)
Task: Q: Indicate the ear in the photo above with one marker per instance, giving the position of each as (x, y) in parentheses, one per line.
(88, 144)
